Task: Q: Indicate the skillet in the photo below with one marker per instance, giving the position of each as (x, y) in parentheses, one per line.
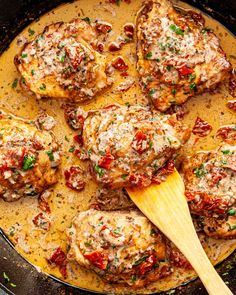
(24, 278)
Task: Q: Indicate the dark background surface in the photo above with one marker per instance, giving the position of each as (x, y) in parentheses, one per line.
(14, 16)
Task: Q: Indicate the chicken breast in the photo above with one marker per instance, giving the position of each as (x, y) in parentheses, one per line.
(120, 246)
(29, 159)
(211, 189)
(177, 56)
(62, 63)
(128, 145)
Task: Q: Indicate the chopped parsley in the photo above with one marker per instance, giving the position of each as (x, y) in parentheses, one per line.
(224, 162)
(153, 232)
(150, 143)
(169, 67)
(42, 87)
(152, 91)
(231, 211)
(24, 55)
(6, 277)
(142, 259)
(99, 170)
(28, 162)
(199, 172)
(133, 278)
(176, 29)
(62, 59)
(226, 152)
(14, 83)
(193, 86)
(31, 32)
(117, 230)
(32, 72)
(191, 77)
(148, 55)
(87, 19)
(231, 227)
(72, 149)
(173, 91)
(124, 176)
(50, 155)
(66, 139)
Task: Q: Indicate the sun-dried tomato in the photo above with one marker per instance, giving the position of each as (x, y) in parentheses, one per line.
(197, 17)
(74, 116)
(139, 180)
(114, 46)
(184, 70)
(97, 259)
(216, 177)
(227, 133)
(129, 30)
(201, 128)
(232, 105)
(100, 47)
(140, 142)
(58, 258)
(106, 161)
(179, 260)
(43, 204)
(202, 202)
(79, 139)
(232, 85)
(147, 265)
(76, 56)
(41, 221)
(119, 64)
(75, 178)
(103, 28)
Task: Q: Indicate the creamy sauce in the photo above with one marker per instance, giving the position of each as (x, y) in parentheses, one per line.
(35, 244)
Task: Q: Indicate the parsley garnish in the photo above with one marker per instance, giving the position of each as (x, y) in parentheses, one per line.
(28, 162)
(32, 72)
(177, 30)
(226, 152)
(24, 55)
(50, 155)
(152, 91)
(199, 172)
(72, 149)
(191, 77)
(124, 176)
(31, 32)
(231, 227)
(14, 83)
(173, 91)
(99, 170)
(142, 259)
(42, 87)
(148, 55)
(231, 211)
(193, 86)
(87, 19)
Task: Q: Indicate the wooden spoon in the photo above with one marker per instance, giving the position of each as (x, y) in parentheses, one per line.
(166, 206)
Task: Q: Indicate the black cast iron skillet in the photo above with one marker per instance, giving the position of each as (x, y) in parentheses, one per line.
(19, 277)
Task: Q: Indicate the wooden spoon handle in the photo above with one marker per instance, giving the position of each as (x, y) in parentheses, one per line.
(166, 206)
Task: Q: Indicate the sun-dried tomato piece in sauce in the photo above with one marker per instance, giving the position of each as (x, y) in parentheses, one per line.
(106, 161)
(75, 178)
(97, 259)
(201, 128)
(140, 142)
(148, 264)
(119, 64)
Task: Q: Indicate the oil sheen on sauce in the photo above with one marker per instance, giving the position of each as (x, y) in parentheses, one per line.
(16, 221)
